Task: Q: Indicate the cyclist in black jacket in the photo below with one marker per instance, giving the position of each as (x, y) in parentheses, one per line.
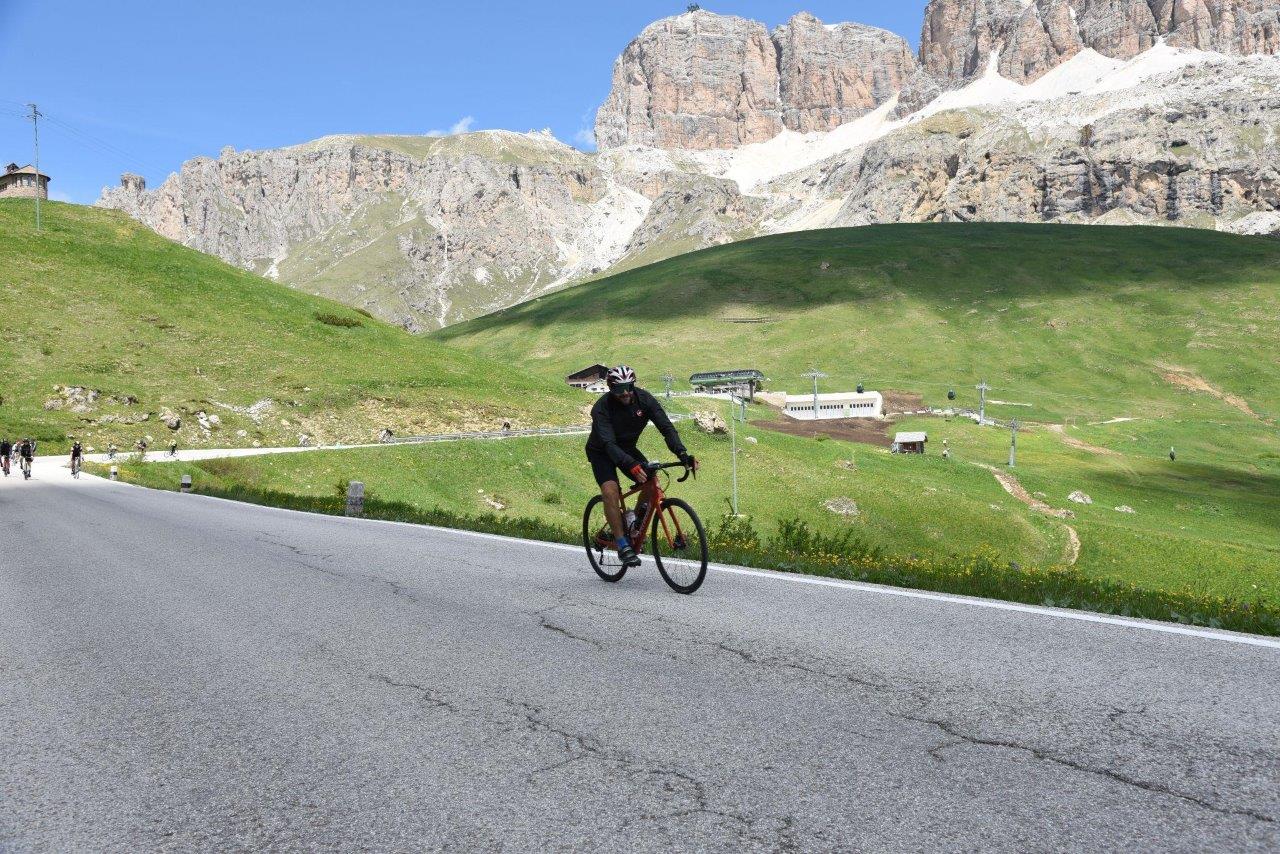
(617, 420)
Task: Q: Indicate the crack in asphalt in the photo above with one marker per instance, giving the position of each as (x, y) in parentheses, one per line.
(396, 588)
(781, 662)
(561, 630)
(425, 694)
(1114, 717)
(674, 782)
(545, 623)
(1110, 774)
(300, 555)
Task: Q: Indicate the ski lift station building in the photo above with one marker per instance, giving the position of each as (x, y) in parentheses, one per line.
(848, 404)
(746, 380)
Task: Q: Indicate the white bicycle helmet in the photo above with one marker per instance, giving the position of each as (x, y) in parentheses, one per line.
(620, 375)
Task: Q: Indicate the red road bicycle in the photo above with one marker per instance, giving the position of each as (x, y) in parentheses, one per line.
(676, 535)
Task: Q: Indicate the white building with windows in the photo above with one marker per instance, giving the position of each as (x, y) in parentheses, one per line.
(851, 404)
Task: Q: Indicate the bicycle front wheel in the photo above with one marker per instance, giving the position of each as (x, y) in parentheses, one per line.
(602, 550)
(679, 546)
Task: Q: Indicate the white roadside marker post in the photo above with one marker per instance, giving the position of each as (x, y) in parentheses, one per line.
(186, 483)
(355, 498)
(115, 472)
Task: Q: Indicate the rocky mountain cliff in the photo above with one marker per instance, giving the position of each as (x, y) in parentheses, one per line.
(423, 231)
(717, 130)
(1033, 36)
(701, 80)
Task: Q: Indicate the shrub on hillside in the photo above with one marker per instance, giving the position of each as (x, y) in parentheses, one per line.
(338, 320)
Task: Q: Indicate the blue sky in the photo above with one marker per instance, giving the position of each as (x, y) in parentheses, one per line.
(142, 86)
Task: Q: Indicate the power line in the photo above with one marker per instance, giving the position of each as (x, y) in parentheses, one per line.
(89, 139)
(81, 136)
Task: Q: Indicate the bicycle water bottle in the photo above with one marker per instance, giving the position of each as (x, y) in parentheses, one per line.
(631, 519)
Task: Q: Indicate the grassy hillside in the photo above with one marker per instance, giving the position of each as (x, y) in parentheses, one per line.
(1206, 525)
(1138, 339)
(1083, 322)
(99, 302)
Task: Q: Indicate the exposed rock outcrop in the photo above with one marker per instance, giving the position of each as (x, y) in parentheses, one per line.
(830, 75)
(1187, 151)
(427, 231)
(705, 81)
(697, 80)
(1033, 36)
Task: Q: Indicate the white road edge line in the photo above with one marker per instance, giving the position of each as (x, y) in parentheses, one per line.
(797, 578)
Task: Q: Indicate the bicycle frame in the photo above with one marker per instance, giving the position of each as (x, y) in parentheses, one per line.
(655, 496)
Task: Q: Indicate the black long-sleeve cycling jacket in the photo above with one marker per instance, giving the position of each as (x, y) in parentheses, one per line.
(615, 427)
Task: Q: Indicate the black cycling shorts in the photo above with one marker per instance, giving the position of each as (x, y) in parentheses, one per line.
(603, 468)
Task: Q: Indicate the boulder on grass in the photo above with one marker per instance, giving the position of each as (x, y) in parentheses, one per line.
(846, 507)
(710, 422)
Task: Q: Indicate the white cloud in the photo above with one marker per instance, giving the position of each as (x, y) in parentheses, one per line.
(59, 196)
(585, 138)
(462, 125)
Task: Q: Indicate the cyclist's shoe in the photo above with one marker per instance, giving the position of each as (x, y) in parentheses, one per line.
(628, 556)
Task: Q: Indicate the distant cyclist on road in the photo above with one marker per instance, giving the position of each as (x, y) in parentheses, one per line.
(77, 458)
(6, 451)
(27, 453)
(617, 420)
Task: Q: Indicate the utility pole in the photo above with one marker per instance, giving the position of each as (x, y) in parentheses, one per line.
(667, 380)
(815, 375)
(1013, 443)
(35, 131)
(733, 450)
(983, 388)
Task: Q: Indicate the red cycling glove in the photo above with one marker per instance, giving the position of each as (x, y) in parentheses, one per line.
(636, 471)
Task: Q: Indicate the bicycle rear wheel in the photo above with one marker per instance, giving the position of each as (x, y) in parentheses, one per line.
(679, 546)
(597, 537)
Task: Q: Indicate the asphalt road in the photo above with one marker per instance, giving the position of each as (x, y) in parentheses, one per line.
(178, 672)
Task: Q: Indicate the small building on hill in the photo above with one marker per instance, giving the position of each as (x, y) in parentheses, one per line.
(845, 404)
(588, 378)
(910, 443)
(745, 381)
(23, 182)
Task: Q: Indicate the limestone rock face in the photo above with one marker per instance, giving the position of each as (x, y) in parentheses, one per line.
(1192, 148)
(706, 81)
(697, 80)
(1031, 38)
(426, 231)
(419, 231)
(834, 74)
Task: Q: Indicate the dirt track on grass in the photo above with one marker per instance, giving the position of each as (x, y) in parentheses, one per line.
(1018, 491)
(1072, 441)
(1191, 381)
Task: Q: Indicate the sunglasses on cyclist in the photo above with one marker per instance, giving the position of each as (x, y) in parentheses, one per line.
(623, 388)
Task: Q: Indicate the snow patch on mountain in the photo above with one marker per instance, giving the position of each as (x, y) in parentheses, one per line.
(754, 166)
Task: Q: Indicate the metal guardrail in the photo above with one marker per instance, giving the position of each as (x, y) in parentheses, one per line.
(503, 434)
(487, 434)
